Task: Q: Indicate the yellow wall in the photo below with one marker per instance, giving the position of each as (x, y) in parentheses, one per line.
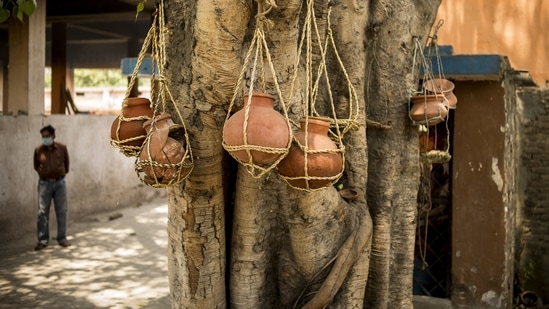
(518, 29)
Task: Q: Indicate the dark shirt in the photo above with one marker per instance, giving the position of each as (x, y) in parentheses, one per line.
(52, 161)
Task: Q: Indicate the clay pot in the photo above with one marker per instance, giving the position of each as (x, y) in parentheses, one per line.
(326, 163)
(530, 300)
(265, 128)
(348, 194)
(135, 112)
(428, 109)
(164, 149)
(444, 87)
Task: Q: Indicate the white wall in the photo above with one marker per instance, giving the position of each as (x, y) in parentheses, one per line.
(100, 177)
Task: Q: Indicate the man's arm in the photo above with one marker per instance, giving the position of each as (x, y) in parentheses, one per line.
(36, 162)
(66, 161)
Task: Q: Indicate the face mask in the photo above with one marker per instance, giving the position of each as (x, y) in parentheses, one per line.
(47, 141)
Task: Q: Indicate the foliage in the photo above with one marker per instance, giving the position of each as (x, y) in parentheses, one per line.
(16, 8)
(98, 78)
(140, 7)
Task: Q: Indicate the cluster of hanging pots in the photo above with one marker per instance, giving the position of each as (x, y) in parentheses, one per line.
(154, 138)
(258, 134)
(432, 105)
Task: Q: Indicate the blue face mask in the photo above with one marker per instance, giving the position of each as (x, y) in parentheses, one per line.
(47, 141)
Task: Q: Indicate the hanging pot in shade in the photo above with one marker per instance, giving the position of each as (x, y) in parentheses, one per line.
(163, 152)
(444, 87)
(127, 132)
(428, 109)
(313, 146)
(263, 134)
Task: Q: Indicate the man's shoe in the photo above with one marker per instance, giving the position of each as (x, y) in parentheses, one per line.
(64, 243)
(39, 246)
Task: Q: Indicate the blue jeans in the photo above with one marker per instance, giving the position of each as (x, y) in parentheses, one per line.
(48, 190)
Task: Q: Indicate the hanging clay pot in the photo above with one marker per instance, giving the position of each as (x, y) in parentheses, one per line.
(325, 161)
(162, 153)
(444, 87)
(265, 127)
(130, 131)
(428, 109)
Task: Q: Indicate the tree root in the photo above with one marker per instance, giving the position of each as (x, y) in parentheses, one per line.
(345, 258)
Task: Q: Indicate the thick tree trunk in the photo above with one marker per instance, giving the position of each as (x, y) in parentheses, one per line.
(290, 248)
(393, 170)
(203, 52)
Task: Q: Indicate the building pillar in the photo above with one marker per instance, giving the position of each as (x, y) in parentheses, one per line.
(27, 49)
(58, 68)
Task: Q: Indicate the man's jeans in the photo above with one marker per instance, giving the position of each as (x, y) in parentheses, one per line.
(48, 190)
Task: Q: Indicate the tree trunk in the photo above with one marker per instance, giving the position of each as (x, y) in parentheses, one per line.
(291, 248)
(393, 170)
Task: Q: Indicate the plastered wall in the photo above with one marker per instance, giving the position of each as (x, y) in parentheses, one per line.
(514, 28)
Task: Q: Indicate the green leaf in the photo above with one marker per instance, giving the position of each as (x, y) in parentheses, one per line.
(140, 8)
(20, 14)
(28, 7)
(4, 15)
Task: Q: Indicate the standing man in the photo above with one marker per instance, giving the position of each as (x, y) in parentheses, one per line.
(51, 162)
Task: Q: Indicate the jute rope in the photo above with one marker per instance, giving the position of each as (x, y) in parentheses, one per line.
(160, 102)
(121, 144)
(259, 50)
(428, 157)
(338, 126)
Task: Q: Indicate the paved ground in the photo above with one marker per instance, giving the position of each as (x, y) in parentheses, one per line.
(114, 262)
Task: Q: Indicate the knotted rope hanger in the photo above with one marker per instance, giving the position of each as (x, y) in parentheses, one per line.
(160, 104)
(313, 77)
(260, 46)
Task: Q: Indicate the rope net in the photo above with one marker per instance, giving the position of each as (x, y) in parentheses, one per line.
(165, 158)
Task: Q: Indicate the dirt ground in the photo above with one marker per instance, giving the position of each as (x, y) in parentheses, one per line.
(116, 260)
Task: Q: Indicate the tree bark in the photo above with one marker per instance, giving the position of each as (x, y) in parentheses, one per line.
(393, 169)
(291, 248)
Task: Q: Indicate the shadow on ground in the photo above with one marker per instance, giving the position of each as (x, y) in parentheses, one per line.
(120, 263)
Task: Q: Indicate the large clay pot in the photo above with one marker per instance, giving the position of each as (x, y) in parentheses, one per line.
(324, 162)
(135, 111)
(265, 127)
(162, 153)
(428, 109)
(444, 87)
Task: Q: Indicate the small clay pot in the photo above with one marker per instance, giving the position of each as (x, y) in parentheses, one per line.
(135, 111)
(428, 109)
(530, 300)
(444, 87)
(265, 127)
(325, 162)
(348, 194)
(162, 153)
(167, 157)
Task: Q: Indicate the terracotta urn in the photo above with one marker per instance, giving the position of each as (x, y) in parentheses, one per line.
(162, 152)
(127, 129)
(428, 109)
(444, 87)
(263, 127)
(323, 159)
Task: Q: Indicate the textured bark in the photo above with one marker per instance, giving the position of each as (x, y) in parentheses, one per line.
(203, 62)
(290, 248)
(393, 170)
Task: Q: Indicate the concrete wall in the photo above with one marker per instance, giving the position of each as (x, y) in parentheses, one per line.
(100, 177)
(514, 28)
(532, 220)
